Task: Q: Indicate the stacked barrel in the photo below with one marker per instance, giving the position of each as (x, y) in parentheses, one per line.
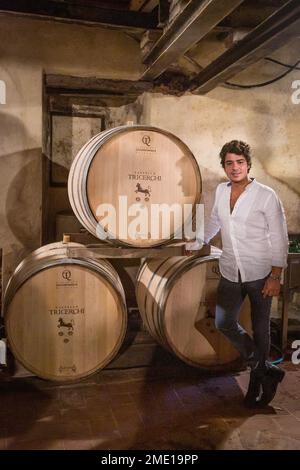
(66, 317)
(134, 167)
(177, 300)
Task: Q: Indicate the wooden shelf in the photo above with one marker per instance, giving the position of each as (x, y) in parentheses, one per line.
(105, 250)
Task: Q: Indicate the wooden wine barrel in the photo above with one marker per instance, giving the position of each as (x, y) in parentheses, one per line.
(177, 300)
(65, 318)
(145, 164)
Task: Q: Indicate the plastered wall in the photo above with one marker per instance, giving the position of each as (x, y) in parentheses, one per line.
(265, 117)
(27, 49)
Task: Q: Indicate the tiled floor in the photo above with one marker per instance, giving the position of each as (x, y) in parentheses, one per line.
(146, 409)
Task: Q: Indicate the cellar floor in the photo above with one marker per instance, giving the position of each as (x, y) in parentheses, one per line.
(147, 408)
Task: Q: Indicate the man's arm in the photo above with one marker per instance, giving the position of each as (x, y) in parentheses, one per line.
(272, 284)
(213, 226)
(210, 230)
(277, 227)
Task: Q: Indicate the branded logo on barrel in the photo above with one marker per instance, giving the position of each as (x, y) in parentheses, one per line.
(63, 369)
(144, 176)
(65, 279)
(66, 274)
(67, 310)
(146, 140)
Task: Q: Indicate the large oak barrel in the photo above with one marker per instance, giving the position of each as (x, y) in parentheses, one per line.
(146, 165)
(65, 317)
(177, 300)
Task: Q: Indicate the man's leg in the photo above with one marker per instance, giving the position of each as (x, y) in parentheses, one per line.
(260, 316)
(268, 374)
(230, 297)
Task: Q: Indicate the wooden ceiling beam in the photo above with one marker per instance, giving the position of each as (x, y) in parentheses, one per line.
(273, 33)
(88, 14)
(143, 5)
(92, 85)
(191, 25)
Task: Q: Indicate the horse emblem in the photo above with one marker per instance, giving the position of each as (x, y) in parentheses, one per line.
(68, 325)
(145, 191)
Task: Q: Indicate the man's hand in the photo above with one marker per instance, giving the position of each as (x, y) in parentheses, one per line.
(271, 288)
(190, 247)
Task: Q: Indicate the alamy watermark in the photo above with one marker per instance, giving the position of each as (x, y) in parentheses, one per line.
(296, 354)
(296, 94)
(152, 221)
(2, 92)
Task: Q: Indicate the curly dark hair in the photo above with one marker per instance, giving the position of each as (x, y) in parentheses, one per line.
(238, 147)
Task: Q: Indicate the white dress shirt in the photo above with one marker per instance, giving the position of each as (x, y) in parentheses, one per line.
(254, 235)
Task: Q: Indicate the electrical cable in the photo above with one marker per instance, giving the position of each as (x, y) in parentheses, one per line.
(257, 85)
(281, 358)
(275, 330)
(289, 66)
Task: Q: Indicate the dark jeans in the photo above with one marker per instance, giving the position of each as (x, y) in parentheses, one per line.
(229, 301)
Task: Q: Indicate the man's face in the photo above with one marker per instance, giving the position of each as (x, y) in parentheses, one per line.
(236, 167)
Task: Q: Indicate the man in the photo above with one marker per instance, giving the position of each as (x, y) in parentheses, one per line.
(255, 245)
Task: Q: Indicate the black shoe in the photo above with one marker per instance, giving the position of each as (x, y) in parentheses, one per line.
(270, 382)
(251, 397)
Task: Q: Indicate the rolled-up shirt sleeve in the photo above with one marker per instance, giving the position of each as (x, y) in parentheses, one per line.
(213, 226)
(277, 229)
